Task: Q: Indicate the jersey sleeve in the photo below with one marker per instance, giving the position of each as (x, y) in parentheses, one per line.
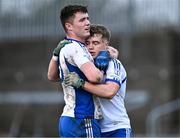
(77, 54)
(116, 72)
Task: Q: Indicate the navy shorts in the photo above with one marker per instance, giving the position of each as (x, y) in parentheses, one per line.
(75, 127)
(120, 133)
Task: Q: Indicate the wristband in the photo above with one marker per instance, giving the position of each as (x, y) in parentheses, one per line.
(55, 58)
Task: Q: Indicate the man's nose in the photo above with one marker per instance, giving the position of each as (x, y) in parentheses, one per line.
(87, 22)
(91, 46)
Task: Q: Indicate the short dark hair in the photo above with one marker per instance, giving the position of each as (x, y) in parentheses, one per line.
(100, 29)
(69, 12)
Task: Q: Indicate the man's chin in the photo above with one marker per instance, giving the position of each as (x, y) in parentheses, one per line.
(87, 35)
(93, 56)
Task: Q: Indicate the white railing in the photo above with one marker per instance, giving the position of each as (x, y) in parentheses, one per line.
(152, 122)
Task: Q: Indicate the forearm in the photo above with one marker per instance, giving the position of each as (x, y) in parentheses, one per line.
(53, 71)
(107, 90)
(92, 73)
(102, 90)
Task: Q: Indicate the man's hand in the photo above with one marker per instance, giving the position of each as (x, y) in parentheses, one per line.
(102, 60)
(73, 79)
(59, 47)
(113, 52)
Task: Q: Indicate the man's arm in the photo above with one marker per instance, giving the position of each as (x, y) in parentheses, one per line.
(53, 70)
(52, 74)
(101, 62)
(107, 90)
(93, 74)
(90, 71)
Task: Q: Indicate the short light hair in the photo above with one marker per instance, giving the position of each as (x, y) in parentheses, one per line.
(100, 29)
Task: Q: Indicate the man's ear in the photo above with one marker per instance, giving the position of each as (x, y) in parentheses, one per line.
(68, 26)
(106, 42)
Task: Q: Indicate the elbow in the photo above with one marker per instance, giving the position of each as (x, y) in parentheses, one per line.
(51, 77)
(95, 78)
(110, 94)
(111, 90)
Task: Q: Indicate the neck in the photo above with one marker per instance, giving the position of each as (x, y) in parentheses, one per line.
(76, 38)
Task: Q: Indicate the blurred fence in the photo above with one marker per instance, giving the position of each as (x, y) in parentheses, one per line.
(31, 18)
(24, 100)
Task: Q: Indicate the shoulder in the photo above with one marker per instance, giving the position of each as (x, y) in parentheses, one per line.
(73, 45)
(116, 64)
(70, 47)
(116, 70)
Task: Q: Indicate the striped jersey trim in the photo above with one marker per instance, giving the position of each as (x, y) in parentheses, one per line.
(88, 127)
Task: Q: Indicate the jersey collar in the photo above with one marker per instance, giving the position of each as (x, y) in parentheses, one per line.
(71, 39)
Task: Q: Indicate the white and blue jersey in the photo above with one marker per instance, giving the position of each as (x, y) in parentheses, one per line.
(78, 102)
(114, 112)
(77, 119)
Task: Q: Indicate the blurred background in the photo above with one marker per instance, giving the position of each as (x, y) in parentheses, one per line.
(147, 35)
